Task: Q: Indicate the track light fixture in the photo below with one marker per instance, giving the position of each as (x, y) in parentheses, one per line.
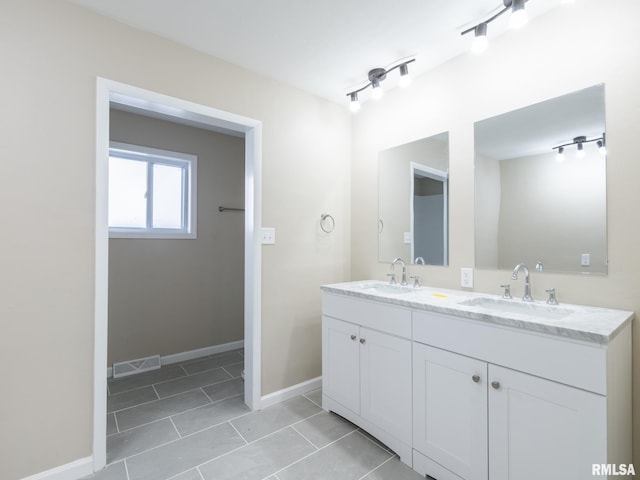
(517, 19)
(579, 143)
(480, 40)
(376, 77)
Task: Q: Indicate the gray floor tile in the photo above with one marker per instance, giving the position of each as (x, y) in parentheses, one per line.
(130, 398)
(150, 412)
(184, 384)
(214, 361)
(376, 441)
(117, 471)
(190, 475)
(136, 440)
(184, 454)
(394, 469)
(111, 424)
(315, 396)
(235, 369)
(258, 424)
(139, 380)
(347, 459)
(324, 428)
(209, 415)
(226, 389)
(259, 459)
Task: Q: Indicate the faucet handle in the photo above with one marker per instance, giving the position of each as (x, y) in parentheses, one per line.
(507, 290)
(416, 280)
(552, 300)
(392, 280)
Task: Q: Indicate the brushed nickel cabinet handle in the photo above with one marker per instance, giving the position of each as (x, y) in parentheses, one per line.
(476, 378)
(362, 340)
(353, 337)
(495, 385)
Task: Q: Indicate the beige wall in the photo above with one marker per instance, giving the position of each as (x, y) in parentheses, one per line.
(172, 296)
(554, 212)
(51, 54)
(569, 48)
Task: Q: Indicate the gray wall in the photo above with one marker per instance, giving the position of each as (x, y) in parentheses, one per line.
(171, 296)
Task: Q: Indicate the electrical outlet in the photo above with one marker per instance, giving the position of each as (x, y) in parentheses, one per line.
(585, 259)
(466, 277)
(268, 236)
(407, 238)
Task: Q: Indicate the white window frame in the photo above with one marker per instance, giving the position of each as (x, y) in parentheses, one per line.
(163, 157)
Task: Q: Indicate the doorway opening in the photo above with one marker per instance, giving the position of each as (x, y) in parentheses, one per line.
(179, 111)
(429, 215)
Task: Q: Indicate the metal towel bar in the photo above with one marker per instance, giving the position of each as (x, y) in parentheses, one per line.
(231, 209)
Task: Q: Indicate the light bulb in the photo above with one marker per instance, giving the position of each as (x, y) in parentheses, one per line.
(518, 17)
(601, 147)
(580, 151)
(480, 41)
(560, 155)
(377, 92)
(354, 105)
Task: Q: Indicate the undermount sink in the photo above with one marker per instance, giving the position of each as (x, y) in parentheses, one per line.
(386, 288)
(516, 306)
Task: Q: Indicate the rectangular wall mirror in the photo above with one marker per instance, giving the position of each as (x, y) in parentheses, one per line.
(413, 202)
(540, 175)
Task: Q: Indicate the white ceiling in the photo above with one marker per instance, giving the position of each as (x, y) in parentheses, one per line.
(325, 47)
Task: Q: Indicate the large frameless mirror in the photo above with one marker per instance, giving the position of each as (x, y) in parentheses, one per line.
(413, 202)
(540, 175)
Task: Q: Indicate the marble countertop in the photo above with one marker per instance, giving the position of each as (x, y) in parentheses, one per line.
(578, 322)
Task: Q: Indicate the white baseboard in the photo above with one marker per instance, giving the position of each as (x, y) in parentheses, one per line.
(192, 354)
(290, 392)
(200, 352)
(71, 471)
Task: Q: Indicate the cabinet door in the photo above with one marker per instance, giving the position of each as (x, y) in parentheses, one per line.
(450, 411)
(542, 429)
(341, 362)
(385, 376)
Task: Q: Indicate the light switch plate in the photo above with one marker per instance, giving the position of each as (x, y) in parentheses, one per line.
(466, 277)
(407, 238)
(585, 260)
(268, 236)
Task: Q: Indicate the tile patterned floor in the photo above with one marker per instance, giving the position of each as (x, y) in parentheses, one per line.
(188, 421)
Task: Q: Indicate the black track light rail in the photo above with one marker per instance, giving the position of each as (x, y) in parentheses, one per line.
(580, 140)
(507, 5)
(379, 74)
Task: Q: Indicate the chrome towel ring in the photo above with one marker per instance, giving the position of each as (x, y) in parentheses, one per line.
(327, 223)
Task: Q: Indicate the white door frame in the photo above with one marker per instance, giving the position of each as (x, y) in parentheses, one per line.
(187, 112)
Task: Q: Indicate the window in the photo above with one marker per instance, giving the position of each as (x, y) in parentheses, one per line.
(152, 193)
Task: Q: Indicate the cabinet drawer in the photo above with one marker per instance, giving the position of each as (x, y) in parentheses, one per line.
(564, 361)
(375, 315)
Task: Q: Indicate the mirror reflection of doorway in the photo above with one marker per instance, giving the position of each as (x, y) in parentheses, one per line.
(429, 224)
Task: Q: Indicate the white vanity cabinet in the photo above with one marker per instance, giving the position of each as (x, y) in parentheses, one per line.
(450, 414)
(366, 368)
(495, 403)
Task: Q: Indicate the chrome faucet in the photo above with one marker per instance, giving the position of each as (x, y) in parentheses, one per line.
(419, 261)
(404, 270)
(527, 282)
